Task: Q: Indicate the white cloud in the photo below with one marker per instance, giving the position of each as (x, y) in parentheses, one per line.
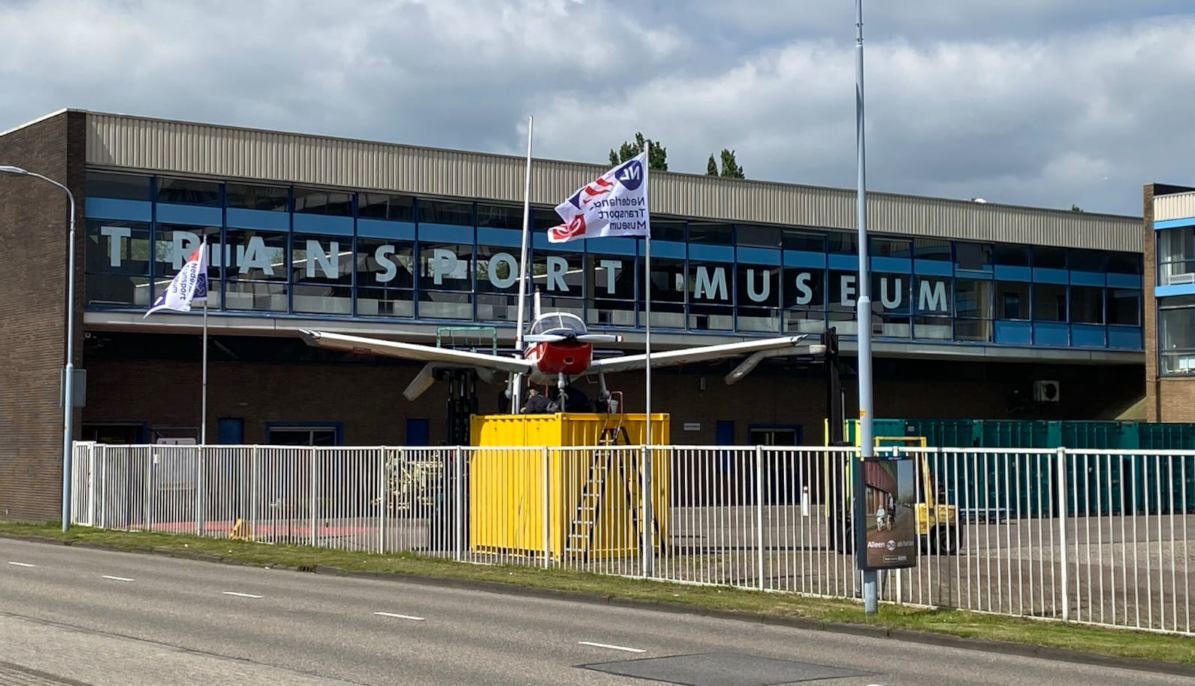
(1083, 106)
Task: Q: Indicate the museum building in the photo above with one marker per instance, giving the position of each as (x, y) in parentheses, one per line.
(980, 309)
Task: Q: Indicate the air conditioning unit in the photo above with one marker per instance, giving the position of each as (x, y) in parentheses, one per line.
(1046, 391)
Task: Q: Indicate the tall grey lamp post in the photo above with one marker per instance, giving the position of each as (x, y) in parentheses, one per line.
(68, 377)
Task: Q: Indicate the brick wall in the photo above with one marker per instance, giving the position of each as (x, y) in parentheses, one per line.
(33, 236)
(367, 398)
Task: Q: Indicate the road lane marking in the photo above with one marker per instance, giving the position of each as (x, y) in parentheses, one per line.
(117, 578)
(241, 595)
(21, 564)
(607, 645)
(391, 614)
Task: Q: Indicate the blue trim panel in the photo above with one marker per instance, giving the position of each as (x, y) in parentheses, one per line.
(380, 228)
(169, 213)
(503, 237)
(1124, 280)
(1180, 289)
(716, 253)
(109, 208)
(1173, 223)
(896, 265)
(1055, 334)
(933, 267)
(758, 256)
(611, 246)
(666, 249)
(444, 233)
(1013, 333)
(321, 223)
(801, 258)
(1088, 278)
(1055, 276)
(1087, 335)
(240, 218)
(1006, 272)
(843, 262)
(1125, 337)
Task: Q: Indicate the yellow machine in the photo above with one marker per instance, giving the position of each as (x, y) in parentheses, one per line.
(593, 506)
(937, 521)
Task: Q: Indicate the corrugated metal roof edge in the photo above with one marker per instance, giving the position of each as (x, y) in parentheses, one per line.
(600, 166)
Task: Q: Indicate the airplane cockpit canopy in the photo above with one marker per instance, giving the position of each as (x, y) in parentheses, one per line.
(558, 322)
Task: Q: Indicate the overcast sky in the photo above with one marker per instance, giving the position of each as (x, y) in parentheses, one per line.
(1036, 102)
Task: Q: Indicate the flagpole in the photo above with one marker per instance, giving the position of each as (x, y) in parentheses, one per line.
(516, 393)
(645, 468)
(203, 401)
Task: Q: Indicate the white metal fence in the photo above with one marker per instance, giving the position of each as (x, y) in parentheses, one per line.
(1101, 537)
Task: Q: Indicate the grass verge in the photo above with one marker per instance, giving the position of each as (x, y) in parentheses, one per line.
(744, 603)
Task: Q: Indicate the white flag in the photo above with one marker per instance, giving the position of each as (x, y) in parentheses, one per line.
(615, 204)
(189, 283)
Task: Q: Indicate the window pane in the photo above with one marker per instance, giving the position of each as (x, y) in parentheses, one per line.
(1012, 300)
(256, 295)
(384, 302)
(498, 270)
(842, 243)
(117, 247)
(891, 247)
(803, 240)
(933, 295)
(931, 249)
(709, 282)
(707, 232)
(323, 299)
(1124, 262)
(253, 197)
(502, 216)
(973, 298)
(256, 255)
(322, 259)
(1124, 306)
(1087, 305)
(1049, 302)
(1048, 257)
(384, 206)
(669, 229)
(318, 201)
(762, 236)
(667, 280)
(1011, 255)
(558, 274)
(442, 212)
(758, 285)
(612, 276)
(188, 191)
(1087, 260)
(117, 186)
(1176, 341)
(972, 255)
(445, 266)
(385, 263)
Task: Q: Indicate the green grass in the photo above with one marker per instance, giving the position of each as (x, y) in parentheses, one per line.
(748, 604)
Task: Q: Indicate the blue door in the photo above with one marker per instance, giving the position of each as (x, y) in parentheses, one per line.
(724, 432)
(417, 431)
(230, 431)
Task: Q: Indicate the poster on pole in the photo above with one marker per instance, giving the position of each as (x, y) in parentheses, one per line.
(890, 507)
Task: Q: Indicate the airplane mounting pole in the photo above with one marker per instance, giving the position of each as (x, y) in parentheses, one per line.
(863, 318)
(516, 390)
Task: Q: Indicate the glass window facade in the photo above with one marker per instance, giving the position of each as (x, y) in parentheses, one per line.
(304, 251)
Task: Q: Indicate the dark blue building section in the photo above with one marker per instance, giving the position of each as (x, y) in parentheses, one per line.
(289, 251)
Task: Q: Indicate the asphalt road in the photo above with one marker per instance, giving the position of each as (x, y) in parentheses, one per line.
(79, 616)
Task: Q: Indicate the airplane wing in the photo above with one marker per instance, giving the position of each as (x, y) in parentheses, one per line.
(415, 351)
(668, 358)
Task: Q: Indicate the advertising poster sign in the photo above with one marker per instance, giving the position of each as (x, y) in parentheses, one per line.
(890, 504)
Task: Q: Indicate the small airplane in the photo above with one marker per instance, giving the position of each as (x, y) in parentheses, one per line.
(561, 349)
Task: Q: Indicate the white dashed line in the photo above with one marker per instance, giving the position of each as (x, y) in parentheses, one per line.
(391, 614)
(117, 578)
(607, 645)
(21, 564)
(240, 595)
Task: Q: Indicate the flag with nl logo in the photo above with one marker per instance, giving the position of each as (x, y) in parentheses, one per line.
(614, 204)
(189, 283)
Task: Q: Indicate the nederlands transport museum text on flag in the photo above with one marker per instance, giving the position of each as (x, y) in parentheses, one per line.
(189, 283)
(614, 204)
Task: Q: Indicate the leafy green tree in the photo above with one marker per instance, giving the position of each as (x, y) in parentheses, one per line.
(730, 166)
(657, 156)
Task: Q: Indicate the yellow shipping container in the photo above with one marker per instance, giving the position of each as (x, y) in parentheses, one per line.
(592, 502)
